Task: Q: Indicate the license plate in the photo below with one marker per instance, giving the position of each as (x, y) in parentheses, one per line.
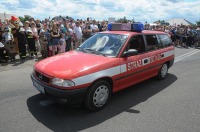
(39, 87)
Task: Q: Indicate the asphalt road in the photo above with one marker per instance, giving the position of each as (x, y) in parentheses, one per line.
(170, 105)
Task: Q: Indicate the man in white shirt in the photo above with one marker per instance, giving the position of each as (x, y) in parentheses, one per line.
(94, 27)
(78, 34)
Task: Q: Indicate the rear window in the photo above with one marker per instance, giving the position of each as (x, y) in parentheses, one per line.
(165, 40)
(152, 42)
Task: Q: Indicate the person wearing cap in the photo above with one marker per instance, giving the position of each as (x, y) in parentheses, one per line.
(8, 41)
(26, 25)
(22, 42)
(31, 42)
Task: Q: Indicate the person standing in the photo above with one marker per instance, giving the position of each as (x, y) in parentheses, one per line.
(7, 39)
(94, 27)
(26, 25)
(78, 34)
(67, 35)
(31, 43)
(43, 44)
(55, 37)
(62, 43)
(35, 35)
(48, 37)
(22, 42)
(102, 27)
(70, 37)
(87, 31)
(1, 32)
(38, 26)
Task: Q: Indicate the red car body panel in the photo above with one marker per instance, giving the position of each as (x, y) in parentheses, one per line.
(85, 68)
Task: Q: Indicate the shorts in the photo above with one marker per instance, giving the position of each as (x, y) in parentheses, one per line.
(54, 41)
(173, 38)
(177, 37)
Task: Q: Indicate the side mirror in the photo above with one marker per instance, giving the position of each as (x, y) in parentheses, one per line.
(130, 52)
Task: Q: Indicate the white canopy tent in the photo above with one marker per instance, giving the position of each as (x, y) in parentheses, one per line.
(179, 21)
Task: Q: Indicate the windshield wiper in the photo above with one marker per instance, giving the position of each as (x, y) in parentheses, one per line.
(89, 50)
(100, 53)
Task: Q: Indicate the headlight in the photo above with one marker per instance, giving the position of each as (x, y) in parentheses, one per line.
(62, 83)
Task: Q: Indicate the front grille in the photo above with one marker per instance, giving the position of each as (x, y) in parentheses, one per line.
(42, 77)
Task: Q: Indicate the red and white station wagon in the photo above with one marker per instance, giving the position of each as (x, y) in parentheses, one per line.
(104, 64)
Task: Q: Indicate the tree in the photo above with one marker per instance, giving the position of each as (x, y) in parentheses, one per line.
(122, 20)
(198, 22)
(25, 18)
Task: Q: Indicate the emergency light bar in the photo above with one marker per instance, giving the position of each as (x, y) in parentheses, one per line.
(136, 27)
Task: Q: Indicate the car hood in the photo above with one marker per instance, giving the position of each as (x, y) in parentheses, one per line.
(73, 64)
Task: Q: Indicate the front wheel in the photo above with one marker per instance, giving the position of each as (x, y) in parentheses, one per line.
(162, 72)
(97, 96)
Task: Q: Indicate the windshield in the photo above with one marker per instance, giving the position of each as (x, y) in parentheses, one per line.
(104, 44)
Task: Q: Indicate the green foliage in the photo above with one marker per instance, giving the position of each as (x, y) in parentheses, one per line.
(122, 20)
(198, 22)
(25, 18)
(21, 19)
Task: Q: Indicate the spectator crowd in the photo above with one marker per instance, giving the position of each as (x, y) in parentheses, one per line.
(51, 37)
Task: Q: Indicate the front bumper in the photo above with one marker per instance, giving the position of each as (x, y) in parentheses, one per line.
(68, 97)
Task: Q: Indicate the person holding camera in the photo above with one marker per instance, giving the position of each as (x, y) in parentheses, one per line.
(87, 31)
(102, 27)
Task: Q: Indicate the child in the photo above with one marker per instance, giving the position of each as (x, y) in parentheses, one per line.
(43, 43)
(31, 43)
(62, 43)
(7, 39)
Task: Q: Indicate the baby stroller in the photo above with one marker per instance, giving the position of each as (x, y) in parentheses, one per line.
(3, 53)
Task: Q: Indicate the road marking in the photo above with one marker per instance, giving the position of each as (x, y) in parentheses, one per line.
(46, 102)
(186, 53)
(177, 59)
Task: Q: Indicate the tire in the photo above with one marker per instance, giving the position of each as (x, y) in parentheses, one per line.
(162, 72)
(97, 96)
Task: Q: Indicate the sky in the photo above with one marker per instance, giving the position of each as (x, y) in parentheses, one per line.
(139, 10)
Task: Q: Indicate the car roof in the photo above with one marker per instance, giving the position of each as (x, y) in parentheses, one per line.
(134, 33)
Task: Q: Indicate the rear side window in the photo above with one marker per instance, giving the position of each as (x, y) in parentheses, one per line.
(165, 40)
(152, 42)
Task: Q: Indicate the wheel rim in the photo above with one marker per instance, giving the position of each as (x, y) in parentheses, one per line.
(100, 96)
(164, 70)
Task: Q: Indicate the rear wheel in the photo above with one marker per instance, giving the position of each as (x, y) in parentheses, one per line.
(97, 96)
(162, 72)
